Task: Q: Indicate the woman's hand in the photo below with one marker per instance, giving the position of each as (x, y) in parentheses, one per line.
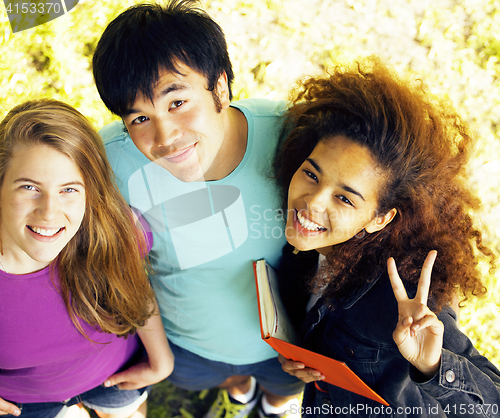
(139, 375)
(299, 370)
(419, 333)
(159, 363)
(8, 408)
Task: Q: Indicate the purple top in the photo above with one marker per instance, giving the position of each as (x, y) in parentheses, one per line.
(43, 357)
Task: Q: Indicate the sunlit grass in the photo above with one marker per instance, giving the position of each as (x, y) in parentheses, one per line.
(451, 45)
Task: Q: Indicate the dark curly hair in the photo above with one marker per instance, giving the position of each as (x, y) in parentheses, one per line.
(422, 145)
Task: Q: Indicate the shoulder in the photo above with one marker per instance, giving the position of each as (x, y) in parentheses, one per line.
(115, 138)
(261, 107)
(264, 118)
(124, 157)
(119, 145)
(114, 132)
(144, 227)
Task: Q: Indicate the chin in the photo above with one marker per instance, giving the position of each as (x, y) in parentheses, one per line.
(300, 246)
(184, 174)
(188, 177)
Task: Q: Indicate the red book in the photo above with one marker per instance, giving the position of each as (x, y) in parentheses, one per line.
(277, 331)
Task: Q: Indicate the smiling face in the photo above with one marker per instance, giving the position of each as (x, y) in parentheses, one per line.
(42, 203)
(334, 195)
(182, 130)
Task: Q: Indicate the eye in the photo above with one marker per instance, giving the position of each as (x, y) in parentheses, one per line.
(29, 187)
(69, 190)
(311, 175)
(139, 120)
(177, 103)
(345, 200)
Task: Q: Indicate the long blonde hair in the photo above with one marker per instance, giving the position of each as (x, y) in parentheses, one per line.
(102, 270)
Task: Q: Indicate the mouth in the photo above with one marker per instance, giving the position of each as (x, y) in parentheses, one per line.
(181, 155)
(308, 224)
(49, 232)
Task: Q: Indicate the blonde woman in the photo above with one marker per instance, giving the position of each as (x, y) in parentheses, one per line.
(77, 308)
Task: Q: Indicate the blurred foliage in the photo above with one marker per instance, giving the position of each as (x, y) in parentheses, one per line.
(452, 45)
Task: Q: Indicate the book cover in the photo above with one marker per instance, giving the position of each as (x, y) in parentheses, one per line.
(277, 331)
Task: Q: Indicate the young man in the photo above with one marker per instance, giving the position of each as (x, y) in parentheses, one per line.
(198, 168)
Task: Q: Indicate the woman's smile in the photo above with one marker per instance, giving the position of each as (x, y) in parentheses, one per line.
(333, 195)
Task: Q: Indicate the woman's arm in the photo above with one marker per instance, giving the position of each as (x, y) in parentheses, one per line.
(466, 383)
(156, 366)
(444, 362)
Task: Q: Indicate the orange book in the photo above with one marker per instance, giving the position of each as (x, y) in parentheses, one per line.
(277, 331)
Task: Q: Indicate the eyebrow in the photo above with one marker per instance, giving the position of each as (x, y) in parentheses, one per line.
(169, 89)
(351, 190)
(343, 186)
(172, 87)
(316, 166)
(70, 183)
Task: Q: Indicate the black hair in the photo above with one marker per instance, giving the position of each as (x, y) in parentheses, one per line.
(149, 38)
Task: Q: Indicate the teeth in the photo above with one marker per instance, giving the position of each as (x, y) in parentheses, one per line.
(307, 224)
(45, 232)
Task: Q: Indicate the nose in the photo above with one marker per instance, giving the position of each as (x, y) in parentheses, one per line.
(317, 200)
(167, 132)
(49, 209)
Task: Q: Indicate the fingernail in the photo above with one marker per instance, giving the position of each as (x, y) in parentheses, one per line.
(17, 412)
(107, 383)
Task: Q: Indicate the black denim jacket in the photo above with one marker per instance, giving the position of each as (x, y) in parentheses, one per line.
(359, 330)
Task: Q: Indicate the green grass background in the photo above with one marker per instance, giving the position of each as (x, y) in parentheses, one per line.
(452, 45)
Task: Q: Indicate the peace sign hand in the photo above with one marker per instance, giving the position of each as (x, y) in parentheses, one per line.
(419, 333)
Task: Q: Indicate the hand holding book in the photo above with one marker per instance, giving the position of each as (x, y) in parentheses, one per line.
(278, 332)
(299, 370)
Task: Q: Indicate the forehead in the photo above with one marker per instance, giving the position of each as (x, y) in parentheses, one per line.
(183, 75)
(181, 72)
(346, 151)
(183, 79)
(345, 162)
(34, 156)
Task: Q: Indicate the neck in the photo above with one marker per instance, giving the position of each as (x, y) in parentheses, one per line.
(11, 264)
(233, 147)
(325, 250)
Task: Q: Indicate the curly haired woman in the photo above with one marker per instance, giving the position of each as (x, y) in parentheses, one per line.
(374, 171)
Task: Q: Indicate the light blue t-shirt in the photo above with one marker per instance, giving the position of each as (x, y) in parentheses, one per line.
(206, 237)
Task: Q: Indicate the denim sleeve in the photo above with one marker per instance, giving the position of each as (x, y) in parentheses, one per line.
(467, 384)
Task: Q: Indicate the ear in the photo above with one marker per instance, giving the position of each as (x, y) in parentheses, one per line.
(222, 91)
(379, 223)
